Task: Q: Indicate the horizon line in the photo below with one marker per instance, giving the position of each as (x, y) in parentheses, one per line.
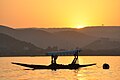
(59, 27)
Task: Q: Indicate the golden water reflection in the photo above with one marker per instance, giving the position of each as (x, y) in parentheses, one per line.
(9, 71)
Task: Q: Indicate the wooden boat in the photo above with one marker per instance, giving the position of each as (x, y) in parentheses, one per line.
(54, 66)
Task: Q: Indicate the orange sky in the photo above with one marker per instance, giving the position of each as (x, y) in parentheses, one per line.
(59, 13)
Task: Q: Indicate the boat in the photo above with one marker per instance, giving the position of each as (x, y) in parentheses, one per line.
(54, 66)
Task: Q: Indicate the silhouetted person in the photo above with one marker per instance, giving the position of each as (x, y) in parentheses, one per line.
(52, 61)
(54, 58)
(75, 57)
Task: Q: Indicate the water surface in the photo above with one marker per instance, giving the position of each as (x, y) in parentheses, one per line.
(10, 71)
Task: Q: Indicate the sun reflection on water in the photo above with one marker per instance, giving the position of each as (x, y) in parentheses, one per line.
(13, 72)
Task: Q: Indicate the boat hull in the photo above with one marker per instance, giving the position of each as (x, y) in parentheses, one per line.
(53, 66)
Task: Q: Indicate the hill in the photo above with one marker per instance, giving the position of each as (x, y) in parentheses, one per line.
(77, 39)
(103, 46)
(40, 38)
(112, 32)
(10, 43)
(90, 39)
(12, 46)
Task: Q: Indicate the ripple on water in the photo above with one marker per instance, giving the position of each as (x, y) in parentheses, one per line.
(13, 72)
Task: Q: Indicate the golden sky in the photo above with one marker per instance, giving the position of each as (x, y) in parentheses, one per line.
(59, 13)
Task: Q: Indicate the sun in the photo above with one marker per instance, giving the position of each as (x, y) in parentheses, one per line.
(79, 27)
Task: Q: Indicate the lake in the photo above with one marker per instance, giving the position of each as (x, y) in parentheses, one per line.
(10, 71)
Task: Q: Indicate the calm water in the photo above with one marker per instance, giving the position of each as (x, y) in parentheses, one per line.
(9, 71)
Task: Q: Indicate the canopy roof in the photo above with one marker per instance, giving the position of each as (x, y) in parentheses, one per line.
(63, 53)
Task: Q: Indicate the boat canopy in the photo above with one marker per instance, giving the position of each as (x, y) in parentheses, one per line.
(63, 53)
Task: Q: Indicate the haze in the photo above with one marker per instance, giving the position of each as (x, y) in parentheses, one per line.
(59, 13)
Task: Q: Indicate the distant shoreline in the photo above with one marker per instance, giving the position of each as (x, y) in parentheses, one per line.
(68, 55)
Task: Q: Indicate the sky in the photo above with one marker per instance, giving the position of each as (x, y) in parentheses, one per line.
(59, 13)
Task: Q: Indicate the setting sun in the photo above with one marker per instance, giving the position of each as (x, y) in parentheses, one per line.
(79, 27)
